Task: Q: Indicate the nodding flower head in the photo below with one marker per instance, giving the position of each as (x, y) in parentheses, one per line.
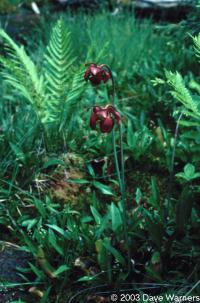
(96, 73)
(105, 117)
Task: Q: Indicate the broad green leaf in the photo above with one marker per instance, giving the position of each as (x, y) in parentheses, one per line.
(115, 217)
(155, 197)
(29, 223)
(96, 215)
(104, 258)
(189, 171)
(181, 175)
(61, 231)
(91, 170)
(196, 175)
(105, 189)
(104, 224)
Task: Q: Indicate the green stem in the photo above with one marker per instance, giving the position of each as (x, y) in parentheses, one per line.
(116, 161)
(122, 161)
(113, 83)
(123, 194)
(171, 176)
(121, 177)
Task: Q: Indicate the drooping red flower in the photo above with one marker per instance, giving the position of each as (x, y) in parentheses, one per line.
(96, 73)
(106, 117)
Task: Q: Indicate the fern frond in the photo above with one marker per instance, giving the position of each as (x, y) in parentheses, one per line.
(73, 99)
(58, 60)
(21, 73)
(26, 64)
(56, 90)
(181, 93)
(195, 86)
(64, 87)
(196, 41)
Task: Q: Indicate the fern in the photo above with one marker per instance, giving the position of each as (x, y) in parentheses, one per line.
(196, 41)
(58, 59)
(191, 102)
(181, 93)
(72, 101)
(21, 73)
(55, 90)
(195, 86)
(62, 88)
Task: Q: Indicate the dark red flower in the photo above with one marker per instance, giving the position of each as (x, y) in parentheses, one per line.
(96, 73)
(106, 117)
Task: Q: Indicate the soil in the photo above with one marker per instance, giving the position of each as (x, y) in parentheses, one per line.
(11, 258)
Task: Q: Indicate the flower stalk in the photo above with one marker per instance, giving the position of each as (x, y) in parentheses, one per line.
(121, 177)
(107, 117)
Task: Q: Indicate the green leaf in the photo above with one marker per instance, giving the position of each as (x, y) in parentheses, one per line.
(189, 171)
(53, 241)
(37, 272)
(61, 231)
(116, 254)
(30, 244)
(45, 298)
(40, 207)
(155, 257)
(18, 152)
(155, 197)
(115, 217)
(77, 181)
(104, 224)
(130, 134)
(29, 223)
(138, 195)
(91, 170)
(86, 278)
(86, 219)
(104, 258)
(61, 269)
(106, 190)
(184, 209)
(52, 162)
(156, 231)
(181, 175)
(96, 215)
(153, 274)
(196, 175)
